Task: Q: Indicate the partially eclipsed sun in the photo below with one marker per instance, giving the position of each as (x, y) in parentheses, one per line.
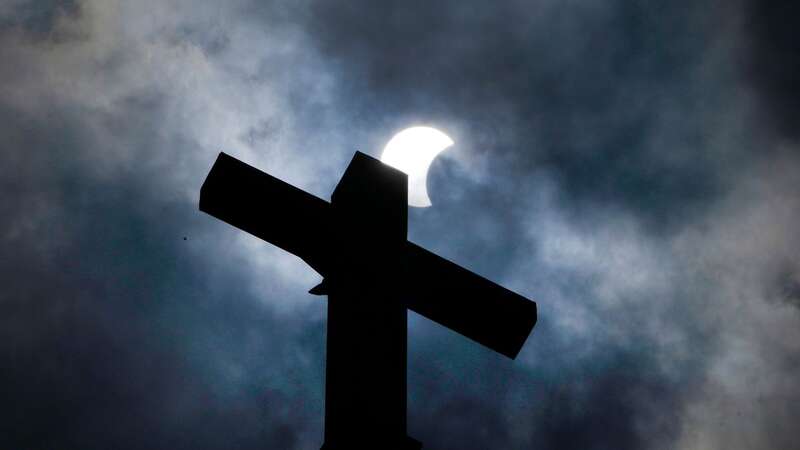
(412, 151)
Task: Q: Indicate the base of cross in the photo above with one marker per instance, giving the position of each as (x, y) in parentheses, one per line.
(408, 443)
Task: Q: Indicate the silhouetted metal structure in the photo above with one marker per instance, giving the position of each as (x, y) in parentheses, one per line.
(371, 275)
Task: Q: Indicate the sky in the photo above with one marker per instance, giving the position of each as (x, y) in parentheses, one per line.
(632, 166)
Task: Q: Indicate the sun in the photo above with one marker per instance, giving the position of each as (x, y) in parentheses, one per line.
(412, 151)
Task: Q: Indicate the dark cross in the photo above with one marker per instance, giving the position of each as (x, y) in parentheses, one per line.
(371, 275)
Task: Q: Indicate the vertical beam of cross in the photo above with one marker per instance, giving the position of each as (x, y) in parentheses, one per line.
(365, 389)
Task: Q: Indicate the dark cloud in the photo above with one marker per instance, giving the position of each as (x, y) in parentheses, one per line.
(605, 412)
(578, 89)
(606, 164)
(791, 291)
(37, 18)
(114, 332)
(773, 62)
(786, 288)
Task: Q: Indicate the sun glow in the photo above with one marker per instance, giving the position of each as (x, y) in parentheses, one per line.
(412, 151)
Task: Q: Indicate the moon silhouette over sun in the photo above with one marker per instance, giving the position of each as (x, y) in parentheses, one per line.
(412, 151)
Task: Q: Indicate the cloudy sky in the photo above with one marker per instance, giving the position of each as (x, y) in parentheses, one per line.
(632, 166)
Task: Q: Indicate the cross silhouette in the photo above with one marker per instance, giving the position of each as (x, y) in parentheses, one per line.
(372, 275)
